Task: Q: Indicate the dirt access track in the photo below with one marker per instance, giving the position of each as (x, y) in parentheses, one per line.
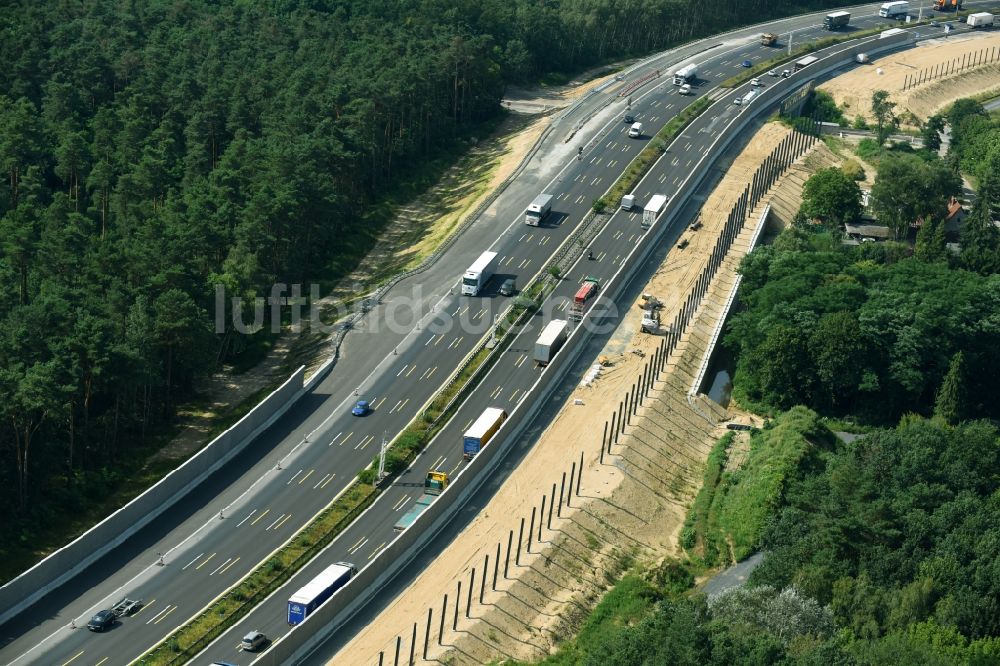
(631, 505)
(853, 91)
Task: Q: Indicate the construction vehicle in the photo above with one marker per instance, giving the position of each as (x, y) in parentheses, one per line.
(588, 288)
(550, 341)
(768, 39)
(650, 321)
(435, 482)
(947, 5)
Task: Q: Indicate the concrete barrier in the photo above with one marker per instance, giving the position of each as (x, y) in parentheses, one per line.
(306, 637)
(62, 565)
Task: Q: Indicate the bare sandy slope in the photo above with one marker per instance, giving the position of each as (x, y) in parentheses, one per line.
(854, 89)
(633, 505)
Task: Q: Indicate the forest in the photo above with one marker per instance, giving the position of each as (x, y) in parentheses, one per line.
(879, 330)
(879, 542)
(155, 149)
(878, 552)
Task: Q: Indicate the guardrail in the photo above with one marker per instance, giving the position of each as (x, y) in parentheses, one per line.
(304, 638)
(62, 565)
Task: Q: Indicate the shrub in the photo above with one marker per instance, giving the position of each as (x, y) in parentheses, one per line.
(868, 149)
(853, 170)
(859, 123)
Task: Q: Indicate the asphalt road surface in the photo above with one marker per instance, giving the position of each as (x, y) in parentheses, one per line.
(397, 365)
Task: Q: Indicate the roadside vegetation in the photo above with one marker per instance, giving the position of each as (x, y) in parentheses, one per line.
(879, 550)
(155, 152)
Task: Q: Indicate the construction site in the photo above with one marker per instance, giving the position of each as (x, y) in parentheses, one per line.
(527, 570)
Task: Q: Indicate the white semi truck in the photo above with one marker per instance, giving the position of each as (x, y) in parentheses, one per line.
(897, 9)
(653, 208)
(479, 273)
(538, 209)
(686, 74)
(551, 340)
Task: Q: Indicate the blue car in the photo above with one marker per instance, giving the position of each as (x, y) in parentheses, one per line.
(361, 408)
(747, 63)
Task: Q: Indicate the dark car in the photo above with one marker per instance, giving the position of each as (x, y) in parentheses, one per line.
(747, 63)
(629, 118)
(253, 641)
(102, 621)
(508, 288)
(361, 408)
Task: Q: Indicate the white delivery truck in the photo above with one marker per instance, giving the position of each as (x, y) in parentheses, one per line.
(897, 9)
(479, 273)
(653, 208)
(538, 209)
(979, 20)
(635, 131)
(550, 341)
(686, 74)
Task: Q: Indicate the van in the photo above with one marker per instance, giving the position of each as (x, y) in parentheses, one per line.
(635, 131)
(508, 288)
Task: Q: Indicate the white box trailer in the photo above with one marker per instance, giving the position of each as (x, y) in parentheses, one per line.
(656, 204)
(538, 209)
(979, 20)
(804, 62)
(551, 340)
(479, 274)
(685, 74)
(897, 9)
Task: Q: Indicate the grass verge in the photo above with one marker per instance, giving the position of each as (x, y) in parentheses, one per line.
(700, 534)
(645, 160)
(195, 635)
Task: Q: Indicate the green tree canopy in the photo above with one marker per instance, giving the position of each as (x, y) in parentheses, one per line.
(830, 195)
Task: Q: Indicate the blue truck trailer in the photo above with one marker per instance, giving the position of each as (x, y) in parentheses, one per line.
(477, 436)
(318, 590)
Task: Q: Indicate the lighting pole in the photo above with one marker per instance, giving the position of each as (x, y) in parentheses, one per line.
(381, 460)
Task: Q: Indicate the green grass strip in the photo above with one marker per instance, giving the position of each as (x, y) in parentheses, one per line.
(696, 534)
(645, 160)
(194, 636)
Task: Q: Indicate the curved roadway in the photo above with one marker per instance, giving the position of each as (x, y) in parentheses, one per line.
(397, 366)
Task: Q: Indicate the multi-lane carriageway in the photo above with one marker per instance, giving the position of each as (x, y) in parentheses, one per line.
(215, 553)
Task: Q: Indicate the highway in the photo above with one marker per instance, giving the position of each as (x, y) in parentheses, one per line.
(395, 364)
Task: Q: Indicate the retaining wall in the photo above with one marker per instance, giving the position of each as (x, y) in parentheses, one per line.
(65, 563)
(306, 637)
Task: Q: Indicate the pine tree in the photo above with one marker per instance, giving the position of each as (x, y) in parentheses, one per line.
(950, 403)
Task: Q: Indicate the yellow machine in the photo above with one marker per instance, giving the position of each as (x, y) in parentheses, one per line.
(436, 482)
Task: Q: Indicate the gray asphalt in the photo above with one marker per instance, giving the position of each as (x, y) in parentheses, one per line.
(264, 505)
